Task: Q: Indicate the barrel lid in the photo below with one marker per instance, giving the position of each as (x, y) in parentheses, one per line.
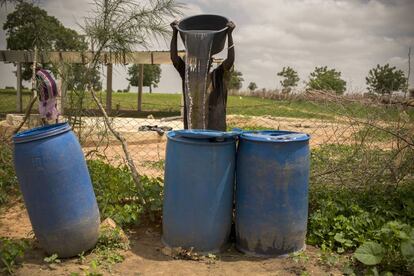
(206, 134)
(275, 136)
(40, 132)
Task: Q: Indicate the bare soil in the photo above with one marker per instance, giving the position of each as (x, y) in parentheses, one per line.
(146, 257)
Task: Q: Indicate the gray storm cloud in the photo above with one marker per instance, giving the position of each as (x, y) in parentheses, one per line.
(352, 36)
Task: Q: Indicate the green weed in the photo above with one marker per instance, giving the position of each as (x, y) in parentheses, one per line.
(391, 249)
(52, 259)
(10, 252)
(117, 194)
(373, 134)
(110, 243)
(159, 165)
(8, 179)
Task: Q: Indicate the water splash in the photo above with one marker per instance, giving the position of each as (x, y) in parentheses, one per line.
(198, 49)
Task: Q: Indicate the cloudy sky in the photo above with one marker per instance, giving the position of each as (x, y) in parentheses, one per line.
(351, 36)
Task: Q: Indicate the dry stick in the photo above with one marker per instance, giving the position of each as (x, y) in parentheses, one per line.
(130, 161)
(26, 115)
(396, 135)
(409, 72)
(34, 94)
(131, 164)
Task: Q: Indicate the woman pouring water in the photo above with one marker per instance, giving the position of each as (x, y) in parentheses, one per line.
(210, 98)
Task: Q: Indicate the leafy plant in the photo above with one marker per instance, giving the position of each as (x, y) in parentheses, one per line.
(328, 258)
(52, 259)
(117, 194)
(10, 251)
(110, 242)
(356, 204)
(370, 253)
(300, 257)
(393, 248)
(93, 269)
(81, 257)
(8, 179)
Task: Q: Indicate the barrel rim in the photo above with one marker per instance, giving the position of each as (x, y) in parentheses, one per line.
(172, 135)
(251, 136)
(206, 133)
(41, 132)
(198, 15)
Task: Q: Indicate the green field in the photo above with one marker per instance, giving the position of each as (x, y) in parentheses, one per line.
(169, 104)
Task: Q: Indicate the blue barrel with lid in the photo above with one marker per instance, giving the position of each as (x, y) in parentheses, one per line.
(272, 192)
(198, 189)
(57, 190)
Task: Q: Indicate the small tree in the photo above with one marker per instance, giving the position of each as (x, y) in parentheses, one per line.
(119, 26)
(252, 86)
(152, 75)
(78, 74)
(235, 80)
(385, 80)
(326, 79)
(290, 79)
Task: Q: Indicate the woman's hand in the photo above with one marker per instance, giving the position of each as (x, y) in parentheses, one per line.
(174, 25)
(230, 26)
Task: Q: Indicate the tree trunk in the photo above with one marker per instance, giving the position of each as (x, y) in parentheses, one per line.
(150, 88)
(140, 84)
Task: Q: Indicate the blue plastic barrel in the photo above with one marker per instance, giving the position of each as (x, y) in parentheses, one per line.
(57, 189)
(272, 192)
(198, 189)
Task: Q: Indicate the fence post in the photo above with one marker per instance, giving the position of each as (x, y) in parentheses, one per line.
(109, 87)
(19, 104)
(63, 87)
(140, 84)
(182, 106)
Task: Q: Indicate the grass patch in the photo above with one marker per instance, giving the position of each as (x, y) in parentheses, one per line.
(8, 179)
(373, 134)
(250, 106)
(246, 127)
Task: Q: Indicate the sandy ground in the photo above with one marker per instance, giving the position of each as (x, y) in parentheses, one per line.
(148, 147)
(145, 256)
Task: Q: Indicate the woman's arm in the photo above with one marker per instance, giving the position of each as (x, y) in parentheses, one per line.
(175, 58)
(228, 63)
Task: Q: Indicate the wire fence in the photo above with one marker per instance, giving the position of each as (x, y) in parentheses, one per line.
(359, 128)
